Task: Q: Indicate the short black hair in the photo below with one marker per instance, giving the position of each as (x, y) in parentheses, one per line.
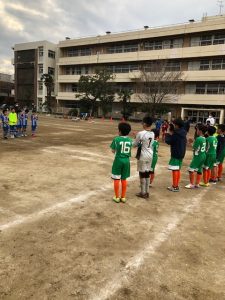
(156, 132)
(211, 130)
(124, 128)
(179, 122)
(148, 121)
(5, 110)
(26, 111)
(221, 127)
(202, 128)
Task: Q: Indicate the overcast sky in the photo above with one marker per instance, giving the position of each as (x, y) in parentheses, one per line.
(28, 20)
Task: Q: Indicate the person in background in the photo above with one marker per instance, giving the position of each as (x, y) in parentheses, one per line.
(187, 124)
(5, 123)
(155, 147)
(176, 138)
(34, 119)
(211, 120)
(165, 126)
(13, 123)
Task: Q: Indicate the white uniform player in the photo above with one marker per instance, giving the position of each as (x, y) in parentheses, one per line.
(146, 138)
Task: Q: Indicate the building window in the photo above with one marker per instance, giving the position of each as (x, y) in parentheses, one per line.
(206, 40)
(74, 88)
(40, 69)
(200, 88)
(219, 39)
(122, 48)
(212, 88)
(78, 52)
(204, 65)
(40, 51)
(40, 85)
(51, 54)
(51, 71)
(172, 66)
(218, 64)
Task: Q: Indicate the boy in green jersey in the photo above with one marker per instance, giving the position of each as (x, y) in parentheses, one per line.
(199, 156)
(121, 146)
(155, 147)
(210, 162)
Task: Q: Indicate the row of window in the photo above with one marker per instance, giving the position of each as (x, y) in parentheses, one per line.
(204, 40)
(51, 71)
(199, 88)
(210, 88)
(214, 64)
(51, 54)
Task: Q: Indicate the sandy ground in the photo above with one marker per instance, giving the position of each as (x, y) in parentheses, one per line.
(62, 237)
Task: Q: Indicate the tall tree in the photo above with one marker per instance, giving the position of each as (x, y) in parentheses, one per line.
(97, 87)
(48, 81)
(158, 84)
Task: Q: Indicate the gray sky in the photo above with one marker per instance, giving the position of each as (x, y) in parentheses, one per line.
(28, 20)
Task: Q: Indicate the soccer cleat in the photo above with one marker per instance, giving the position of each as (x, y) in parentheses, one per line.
(123, 200)
(115, 199)
(190, 186)
(173, 189)
(219, 179)
(144, 196)
(214, 181)
(197, 186)
(204, 184)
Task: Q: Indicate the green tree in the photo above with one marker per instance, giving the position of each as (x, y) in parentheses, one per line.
(125, 96)
(97, 87)
(48, 81)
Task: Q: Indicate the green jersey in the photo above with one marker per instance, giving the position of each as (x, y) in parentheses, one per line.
(211, 145)
(155, 147)
(199, 146)
(122, 146)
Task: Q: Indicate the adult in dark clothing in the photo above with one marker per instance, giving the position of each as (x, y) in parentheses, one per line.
(187, 124)
(176, 138)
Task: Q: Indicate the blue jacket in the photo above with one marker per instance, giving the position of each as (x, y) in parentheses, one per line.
(177, 142)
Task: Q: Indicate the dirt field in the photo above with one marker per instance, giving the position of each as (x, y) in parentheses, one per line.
(62, 237)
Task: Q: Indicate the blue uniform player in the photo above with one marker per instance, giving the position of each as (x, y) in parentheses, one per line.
(5, 124)
(34, 119)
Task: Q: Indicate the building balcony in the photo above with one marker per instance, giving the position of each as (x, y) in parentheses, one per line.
(203, 99)
(68, 78)
(175, 53)
(209, 75)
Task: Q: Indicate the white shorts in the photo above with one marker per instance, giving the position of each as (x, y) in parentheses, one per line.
(144, 166)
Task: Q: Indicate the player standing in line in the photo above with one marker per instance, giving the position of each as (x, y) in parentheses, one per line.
(5, 124)
(211, 145)
(144, 162)
(155, 147)
(176, 138)
(220, 154)
(25, 121)
(121, 146)
(199, 156)
(13, 123)
(19, 123)
(34, 119)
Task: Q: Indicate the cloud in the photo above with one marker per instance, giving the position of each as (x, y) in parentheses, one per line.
(25, 21)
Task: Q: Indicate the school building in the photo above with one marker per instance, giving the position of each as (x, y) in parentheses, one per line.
(31, 60)
(196, 48)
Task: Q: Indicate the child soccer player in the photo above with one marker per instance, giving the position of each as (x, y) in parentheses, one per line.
(25, 121)
(155, 147)
(34, 119)
(199, 156)
(13, 123)
(144, 163)
(220, 153)
(121, 146)
(176, 138)
(211, 145)
(5, 123)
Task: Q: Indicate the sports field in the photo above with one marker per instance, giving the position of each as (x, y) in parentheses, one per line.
(62, 236)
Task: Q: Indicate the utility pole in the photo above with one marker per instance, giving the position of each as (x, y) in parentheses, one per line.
(220, 4)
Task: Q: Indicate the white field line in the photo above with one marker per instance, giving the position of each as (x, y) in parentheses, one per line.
(59, 206)
(126, 275)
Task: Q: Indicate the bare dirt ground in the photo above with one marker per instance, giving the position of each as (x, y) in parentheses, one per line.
(62, 237)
